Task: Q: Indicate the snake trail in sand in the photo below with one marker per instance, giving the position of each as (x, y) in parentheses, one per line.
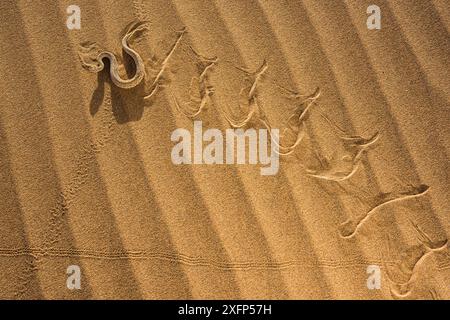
(92, 56)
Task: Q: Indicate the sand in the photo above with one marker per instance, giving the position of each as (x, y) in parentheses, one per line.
(87, 177)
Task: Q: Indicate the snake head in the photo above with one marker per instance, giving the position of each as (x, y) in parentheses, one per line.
(89, 56)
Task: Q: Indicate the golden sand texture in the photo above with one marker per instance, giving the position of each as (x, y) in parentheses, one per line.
(87, 177)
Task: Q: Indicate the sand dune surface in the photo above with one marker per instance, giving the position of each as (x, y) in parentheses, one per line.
(361, 191)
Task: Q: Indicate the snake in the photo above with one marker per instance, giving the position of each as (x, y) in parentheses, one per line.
(92, 58)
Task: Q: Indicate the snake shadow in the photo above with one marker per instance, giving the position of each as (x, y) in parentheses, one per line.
(127, 104)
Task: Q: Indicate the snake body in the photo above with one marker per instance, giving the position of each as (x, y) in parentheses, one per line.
(96, 64)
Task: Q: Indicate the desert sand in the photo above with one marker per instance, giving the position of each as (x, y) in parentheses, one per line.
(87, 177)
